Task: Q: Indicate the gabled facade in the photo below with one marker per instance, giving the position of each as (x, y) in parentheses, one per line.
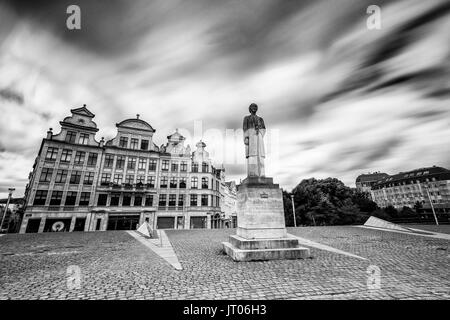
(81, 184)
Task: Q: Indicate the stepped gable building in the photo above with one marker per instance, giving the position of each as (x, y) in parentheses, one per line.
(420, 185)
(81, 184)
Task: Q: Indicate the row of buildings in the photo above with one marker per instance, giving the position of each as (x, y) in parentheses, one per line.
(429, 187)
(81, 184)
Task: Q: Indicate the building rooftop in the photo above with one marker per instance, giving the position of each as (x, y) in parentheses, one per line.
(439, 173)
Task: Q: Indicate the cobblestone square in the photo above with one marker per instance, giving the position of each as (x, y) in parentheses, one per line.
(114, 265)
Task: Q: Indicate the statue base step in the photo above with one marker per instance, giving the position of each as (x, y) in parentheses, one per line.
(241, 249)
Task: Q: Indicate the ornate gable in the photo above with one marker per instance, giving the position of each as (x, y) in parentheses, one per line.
(83, 111)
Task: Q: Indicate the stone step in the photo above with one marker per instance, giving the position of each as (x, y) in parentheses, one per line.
(264, 254)
(257, 244)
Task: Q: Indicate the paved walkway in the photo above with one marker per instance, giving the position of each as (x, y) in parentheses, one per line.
(161, 246)
(313, 244)
(420, 232)
(115, 265)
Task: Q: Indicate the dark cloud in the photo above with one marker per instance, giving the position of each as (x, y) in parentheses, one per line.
(104, 27)
(11, 95)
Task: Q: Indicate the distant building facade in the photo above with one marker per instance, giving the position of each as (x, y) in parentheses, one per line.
(81, 184)
(229, 204)
(364, 182)
(416, 186)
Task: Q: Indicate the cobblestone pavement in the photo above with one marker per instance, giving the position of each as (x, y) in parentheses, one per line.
(114, 265)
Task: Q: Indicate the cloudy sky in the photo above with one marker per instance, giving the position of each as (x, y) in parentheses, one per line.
(339, 99)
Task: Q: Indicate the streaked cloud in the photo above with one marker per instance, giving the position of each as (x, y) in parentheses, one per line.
(342, 99)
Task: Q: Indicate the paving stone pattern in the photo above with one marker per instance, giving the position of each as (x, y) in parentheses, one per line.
(114, 265)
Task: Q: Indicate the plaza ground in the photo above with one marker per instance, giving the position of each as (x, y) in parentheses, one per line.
(114, 265)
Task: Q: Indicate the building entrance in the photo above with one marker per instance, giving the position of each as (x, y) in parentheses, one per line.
(123, 222)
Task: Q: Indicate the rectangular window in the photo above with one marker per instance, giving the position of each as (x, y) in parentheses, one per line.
(151, 181)
(149, 200)
(165, 165)
(194, 183)
(129, 179)
(40, 197)
(61, 176)
(182, 183)
(88, 178)
(181, 200)
(131, 163)
(75, 177)
(84, 138)
(134, 143)
(141, 164)
(123, 142)
(120, 162)
(204, 183)
(79, 157)
(66, 155)
(204, 199)
(115, 197)
(193, 200)
(117, 178)
(71, 136)
(163, 182)
(174, 167)
(51, 154)
(109, 160)
(126, 200)
(162, 200)
(194, 167)
(46, 175)
(183, 167)
(137, 201)
(144, 144)
(71, 198)
(173, 182)
(204, 167)
(172, 200)
(152, 165)
(102, 199)
(84, 198)
(106, 178)
(140, 179)
(92, 159)
(55, 200)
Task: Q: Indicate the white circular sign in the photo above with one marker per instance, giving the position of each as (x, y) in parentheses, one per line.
(58, 226)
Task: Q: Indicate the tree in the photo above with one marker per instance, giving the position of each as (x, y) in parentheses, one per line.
(328, 201)
(418, 206)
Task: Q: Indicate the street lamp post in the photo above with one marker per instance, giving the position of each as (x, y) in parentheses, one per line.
(11, 190)
(432, 207)
(293, 210)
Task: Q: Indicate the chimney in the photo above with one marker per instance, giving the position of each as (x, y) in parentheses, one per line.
(50, 133)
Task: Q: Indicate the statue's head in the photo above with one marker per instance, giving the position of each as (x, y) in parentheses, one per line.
(253, 108)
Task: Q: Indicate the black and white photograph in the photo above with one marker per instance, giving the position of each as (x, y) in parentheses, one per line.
(232, 152)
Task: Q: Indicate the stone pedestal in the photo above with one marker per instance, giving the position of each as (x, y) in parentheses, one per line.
(261, 231)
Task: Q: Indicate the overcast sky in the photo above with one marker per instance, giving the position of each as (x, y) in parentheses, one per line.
(338, 99)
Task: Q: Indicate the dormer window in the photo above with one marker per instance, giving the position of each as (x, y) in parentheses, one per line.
(84, 138)
(144, 145)
(134, 143)
(71, 136)
(123, 142)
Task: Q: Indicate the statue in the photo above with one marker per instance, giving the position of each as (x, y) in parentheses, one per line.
(254, 131)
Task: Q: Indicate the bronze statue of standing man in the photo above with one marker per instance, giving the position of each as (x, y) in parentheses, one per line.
(254, 131)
